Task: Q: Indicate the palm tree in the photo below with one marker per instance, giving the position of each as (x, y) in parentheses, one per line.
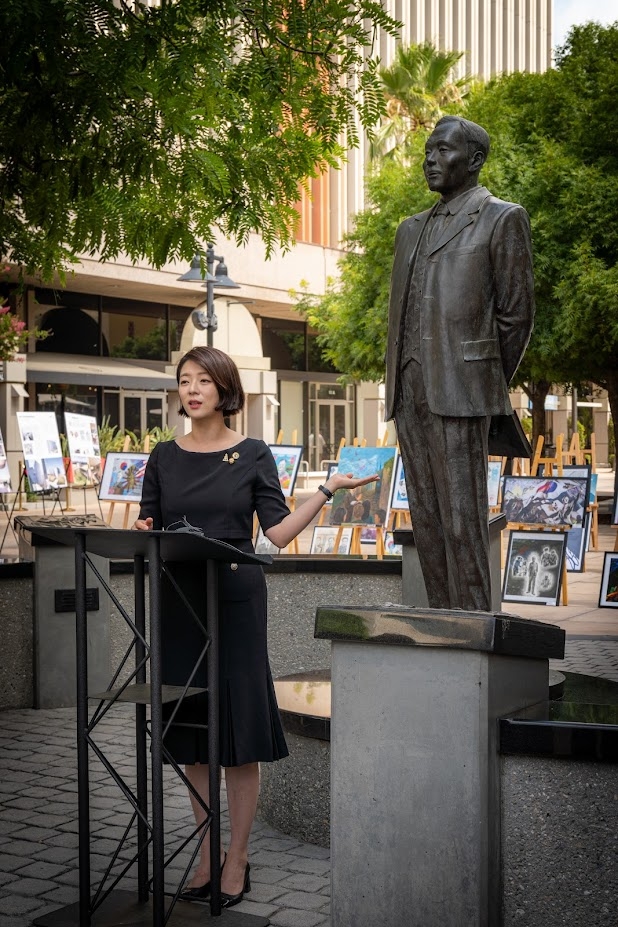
(420, 88)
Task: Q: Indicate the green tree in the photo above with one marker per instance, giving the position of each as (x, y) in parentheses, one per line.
(138, 129)
(419, 87)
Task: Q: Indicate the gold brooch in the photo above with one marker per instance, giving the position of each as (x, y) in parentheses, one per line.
(231, 458)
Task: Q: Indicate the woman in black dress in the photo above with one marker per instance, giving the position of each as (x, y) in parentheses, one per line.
(217, 480)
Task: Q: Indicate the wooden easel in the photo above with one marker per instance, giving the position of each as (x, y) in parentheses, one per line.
(127, 505)
(552, 462)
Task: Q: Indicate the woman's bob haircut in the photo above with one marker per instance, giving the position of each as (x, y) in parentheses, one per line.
(225, 376)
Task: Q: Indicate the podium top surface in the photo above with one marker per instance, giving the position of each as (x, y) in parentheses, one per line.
(410, 626)
(118, 544)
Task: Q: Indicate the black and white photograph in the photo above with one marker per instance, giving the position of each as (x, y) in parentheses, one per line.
(534, 564)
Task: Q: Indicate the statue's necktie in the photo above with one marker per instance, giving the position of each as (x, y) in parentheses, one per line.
(438, 223)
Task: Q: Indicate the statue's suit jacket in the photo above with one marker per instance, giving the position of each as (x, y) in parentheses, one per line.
(477, 306)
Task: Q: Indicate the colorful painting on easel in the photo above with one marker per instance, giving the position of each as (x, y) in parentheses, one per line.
(609, 582)
(84, 451)
(123, 477)
(287, 460)
(541, 500)
(369, 504)
(5, 475)
(40, 443)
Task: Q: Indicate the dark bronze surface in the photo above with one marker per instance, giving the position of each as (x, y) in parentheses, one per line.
(427, 627)
(460, 316)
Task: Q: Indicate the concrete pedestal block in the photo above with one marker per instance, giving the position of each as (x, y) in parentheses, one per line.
(54, 651)
(415, 807)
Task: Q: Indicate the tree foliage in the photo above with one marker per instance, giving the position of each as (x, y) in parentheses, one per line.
(137, 129)
(420, 88)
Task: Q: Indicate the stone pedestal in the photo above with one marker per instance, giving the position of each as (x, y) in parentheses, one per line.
(415, 807)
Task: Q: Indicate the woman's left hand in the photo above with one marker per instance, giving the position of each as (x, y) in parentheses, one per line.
(348, 481)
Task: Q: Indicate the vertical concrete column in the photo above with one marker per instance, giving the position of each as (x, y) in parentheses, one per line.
(415, 807)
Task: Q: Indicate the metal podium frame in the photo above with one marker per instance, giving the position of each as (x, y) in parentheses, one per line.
(121, 907)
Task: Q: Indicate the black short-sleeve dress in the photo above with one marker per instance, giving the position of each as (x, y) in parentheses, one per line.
(219, 492)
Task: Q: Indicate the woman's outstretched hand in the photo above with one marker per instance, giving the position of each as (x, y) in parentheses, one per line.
(143, 524)
(349, 481)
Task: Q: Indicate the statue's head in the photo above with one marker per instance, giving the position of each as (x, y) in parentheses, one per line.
(454, 155)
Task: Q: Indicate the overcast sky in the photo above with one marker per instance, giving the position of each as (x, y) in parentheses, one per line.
(569, 13)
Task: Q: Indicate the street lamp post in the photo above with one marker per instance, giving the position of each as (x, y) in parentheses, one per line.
(207, 320)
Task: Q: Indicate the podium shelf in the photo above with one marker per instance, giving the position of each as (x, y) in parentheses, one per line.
(139, 694)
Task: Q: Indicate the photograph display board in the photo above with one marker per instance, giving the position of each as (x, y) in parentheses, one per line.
(5, 476)
(399, 500)
(324, 540)
(545, 500)
(40, 443)
(534, 566)
(365, 505)
(287, 460)
(123, 477)
(83, 437)
(609, 582)
(494, 475)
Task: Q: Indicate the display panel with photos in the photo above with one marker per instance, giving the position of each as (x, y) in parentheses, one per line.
(123, 477)
(608, 597)
(534, 565)
(369, 504)
(83, 437)
(545, 500)
(325, 537)
(287, 460)
(5, 475)
(40, 443)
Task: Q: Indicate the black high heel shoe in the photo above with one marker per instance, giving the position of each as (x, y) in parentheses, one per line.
(228, 901)
(200, 892)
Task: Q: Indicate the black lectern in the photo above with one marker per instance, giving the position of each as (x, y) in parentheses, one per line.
(109, 907)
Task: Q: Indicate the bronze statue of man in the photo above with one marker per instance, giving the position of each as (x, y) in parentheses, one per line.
(460, 316)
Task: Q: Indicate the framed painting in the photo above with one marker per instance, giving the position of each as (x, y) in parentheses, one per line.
(494, 475)
(263, 545)
(608, 597)
(399, 499)
(615, 510)
(324, 540)
(287, 460)
(123, 477)
(390, 548)
(576, 546)
(545, 500)
(369, 504)
(582, 471)
(534, 565)
(332, 468)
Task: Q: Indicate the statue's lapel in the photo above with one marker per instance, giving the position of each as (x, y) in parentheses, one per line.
(465, 217)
